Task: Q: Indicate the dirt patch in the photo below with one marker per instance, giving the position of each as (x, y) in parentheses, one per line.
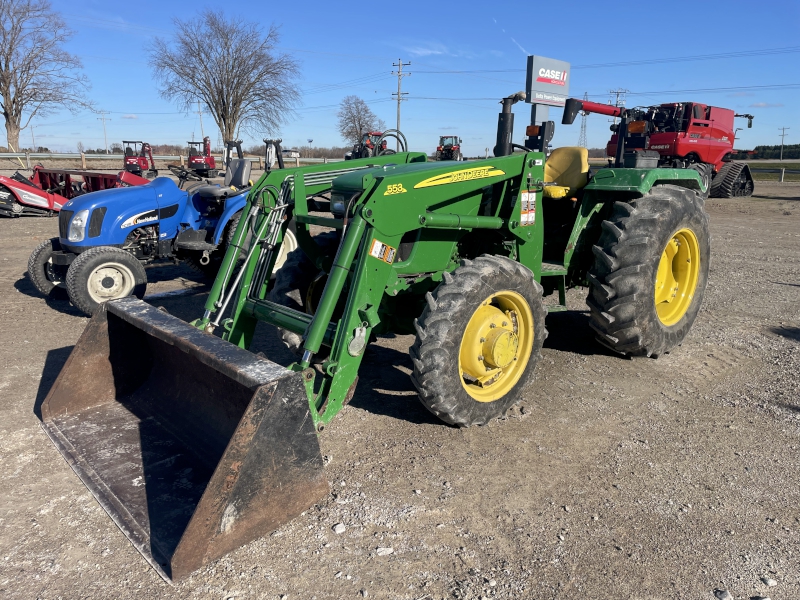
(613, 478)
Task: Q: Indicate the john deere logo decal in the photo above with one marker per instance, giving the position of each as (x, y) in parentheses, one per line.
(459, 176)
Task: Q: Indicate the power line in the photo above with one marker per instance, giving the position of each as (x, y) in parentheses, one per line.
(619, 98)
(400, 64)
(783, 135)
(649, 61)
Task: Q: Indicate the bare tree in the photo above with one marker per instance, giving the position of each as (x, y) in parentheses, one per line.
(37, 75)
(356, 119)
(232, 69)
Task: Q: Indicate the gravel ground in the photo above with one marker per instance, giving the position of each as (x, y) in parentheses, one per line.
(613, 478)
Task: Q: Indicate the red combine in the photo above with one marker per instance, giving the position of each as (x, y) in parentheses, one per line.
(686, 135)
(43, 193)
(136, 155)
(200, 159)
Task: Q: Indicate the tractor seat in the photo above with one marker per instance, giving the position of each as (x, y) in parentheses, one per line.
(236, 177)
(568, 167)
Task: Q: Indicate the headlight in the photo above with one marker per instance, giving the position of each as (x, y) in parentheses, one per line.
(337, 205)
(340, 202)
(77, 227)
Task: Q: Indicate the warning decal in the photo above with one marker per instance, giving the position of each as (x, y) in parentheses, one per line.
(528, 208)
(382, 252)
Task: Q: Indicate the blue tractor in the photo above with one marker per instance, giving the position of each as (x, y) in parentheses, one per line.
(107, 237)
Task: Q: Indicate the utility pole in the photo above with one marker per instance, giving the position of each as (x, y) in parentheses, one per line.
(32, 139)
(400, 64)
(103, 118)
(582, 139)
(783, 135)
(619, 98)
(200, 113)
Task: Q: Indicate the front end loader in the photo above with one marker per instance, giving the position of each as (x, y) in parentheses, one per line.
(195, 446)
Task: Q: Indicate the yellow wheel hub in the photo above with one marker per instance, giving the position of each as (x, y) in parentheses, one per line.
(676, 280)
(496, 346)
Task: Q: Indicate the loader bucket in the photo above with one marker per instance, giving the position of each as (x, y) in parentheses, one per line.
(192, 445)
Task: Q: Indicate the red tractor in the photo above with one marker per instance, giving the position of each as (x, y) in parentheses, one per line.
(136, 155)
(371, 144)
(679, 135)
(449, 148)
(200, 159)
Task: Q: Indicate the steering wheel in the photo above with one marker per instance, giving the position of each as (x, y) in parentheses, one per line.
(184, 174)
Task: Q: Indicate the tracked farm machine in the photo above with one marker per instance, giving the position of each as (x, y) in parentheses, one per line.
(680, 135)
(196, 446)
(200, 160)
(135, 160)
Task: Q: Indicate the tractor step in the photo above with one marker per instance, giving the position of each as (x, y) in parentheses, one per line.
(550, 269)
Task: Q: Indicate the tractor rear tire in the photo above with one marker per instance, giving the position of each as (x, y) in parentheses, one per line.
(104, 273)
(46, 277)
(650, 272)
(486, 320)
(297, 283)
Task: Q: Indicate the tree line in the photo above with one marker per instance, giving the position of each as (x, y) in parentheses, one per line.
(245, 83)
(769, 152)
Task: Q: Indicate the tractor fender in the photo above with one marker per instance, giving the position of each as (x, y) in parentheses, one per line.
(160, 202)
(232, 206)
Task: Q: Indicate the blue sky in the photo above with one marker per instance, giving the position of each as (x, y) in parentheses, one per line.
(343, 52)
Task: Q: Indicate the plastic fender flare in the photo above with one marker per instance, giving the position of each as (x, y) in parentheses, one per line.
(232, 205)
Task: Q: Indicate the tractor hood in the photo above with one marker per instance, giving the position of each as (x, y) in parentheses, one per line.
(108, 216)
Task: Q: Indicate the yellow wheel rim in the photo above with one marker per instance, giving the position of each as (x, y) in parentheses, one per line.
(676, 280)
(496, 346)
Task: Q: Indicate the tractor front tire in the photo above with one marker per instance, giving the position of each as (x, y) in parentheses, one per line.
(478, 340)
(46, 277)
(104, 273)
(650, 272)
(298, 284)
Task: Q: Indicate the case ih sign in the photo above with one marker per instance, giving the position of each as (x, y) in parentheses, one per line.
(547, 81)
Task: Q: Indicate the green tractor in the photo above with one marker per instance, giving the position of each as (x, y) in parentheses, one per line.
(223, 443)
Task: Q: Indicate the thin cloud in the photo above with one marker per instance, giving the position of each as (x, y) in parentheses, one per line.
(426, 51)
(765, 105)
(130, 116)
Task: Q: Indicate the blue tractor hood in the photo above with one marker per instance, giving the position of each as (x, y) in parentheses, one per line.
(113, 214)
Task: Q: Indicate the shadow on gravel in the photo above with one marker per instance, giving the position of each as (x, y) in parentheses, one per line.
(792, 333)
(379, 377)
(57, 300)
(791, 407)
(52, 367)
(569, 331)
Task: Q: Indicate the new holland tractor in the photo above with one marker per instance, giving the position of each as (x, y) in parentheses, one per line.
(196, 446)
(108, 237)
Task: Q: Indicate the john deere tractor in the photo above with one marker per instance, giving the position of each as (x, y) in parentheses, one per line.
(221, 444)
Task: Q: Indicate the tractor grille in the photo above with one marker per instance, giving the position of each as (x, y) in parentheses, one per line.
(64, 217)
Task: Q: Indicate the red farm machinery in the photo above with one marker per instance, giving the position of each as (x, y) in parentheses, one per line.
(686, 135)
(200, 160)
(135, 161)
(47, 190)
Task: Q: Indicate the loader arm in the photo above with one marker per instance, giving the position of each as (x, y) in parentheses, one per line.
(427, 206)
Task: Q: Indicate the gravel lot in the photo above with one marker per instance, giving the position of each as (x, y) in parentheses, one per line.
(613, 478)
